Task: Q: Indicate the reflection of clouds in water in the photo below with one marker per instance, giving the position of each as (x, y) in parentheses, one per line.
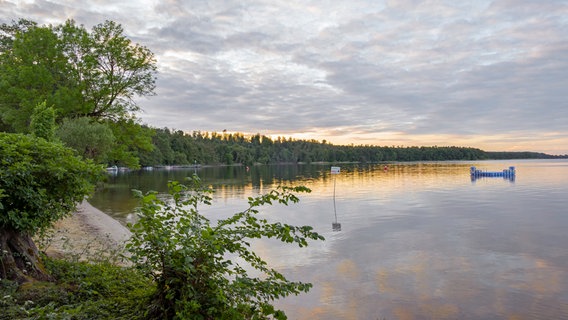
(410, 288)
(348, 269)
(423, 284)
(286, 256)
(328, 293)
(440, 288)
(545, 279)
(372, 183)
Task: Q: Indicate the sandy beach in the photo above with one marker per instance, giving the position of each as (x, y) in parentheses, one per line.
(87, 234)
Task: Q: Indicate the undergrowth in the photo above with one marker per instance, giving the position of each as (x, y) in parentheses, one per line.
(83, 290)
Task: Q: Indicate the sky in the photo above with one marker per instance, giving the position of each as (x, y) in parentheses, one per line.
(486, 74)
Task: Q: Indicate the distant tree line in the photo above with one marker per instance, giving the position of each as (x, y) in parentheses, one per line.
(177, 148)
(503, 155)
(174, 147)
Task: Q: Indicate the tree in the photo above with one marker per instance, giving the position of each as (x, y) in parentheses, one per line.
(40, 182)
(33, 70)
(195, 262)
(96, 74)
(131, 139)
(8, 32)
(110, 69)
(90, 139)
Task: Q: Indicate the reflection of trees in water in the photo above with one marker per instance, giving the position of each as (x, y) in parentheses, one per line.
(115, 196)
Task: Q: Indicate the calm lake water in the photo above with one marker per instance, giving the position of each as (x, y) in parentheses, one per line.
(417, 241)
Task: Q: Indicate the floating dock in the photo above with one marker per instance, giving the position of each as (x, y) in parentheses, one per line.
(506, 173)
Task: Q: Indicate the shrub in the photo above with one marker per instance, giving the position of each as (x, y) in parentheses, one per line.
(40, 183)
(194, 261)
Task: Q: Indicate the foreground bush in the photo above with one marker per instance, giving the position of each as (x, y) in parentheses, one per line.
(40, 183)
(200, 266)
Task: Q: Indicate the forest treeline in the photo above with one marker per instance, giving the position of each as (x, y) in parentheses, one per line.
(504, 155)
(175, 147)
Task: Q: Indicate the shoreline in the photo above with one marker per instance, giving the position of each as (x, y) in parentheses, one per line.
(87, 234)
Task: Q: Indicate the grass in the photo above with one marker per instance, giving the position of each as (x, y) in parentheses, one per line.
(83, 290)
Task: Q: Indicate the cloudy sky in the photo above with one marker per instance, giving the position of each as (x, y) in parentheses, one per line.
(480, 73)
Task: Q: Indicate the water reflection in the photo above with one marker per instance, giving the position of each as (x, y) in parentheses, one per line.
(505, 178)
(335, 226)
(418, 241)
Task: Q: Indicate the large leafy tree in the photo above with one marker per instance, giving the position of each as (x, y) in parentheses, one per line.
(96, 74)
(40, 182)
(33, 69)
(111, 70)
(131, 139)
(80, 73)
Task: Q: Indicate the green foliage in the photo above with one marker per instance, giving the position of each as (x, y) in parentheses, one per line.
(83, 290)
(109, 142)
(33, 70)
(195, 261)
(523, 155)
(41, 181)
(131, 139)
(42, 123)
(8, 32)
(96, 74)
(89, 138)
(109, 68)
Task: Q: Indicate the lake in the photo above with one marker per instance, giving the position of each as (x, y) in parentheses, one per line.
(417, 240)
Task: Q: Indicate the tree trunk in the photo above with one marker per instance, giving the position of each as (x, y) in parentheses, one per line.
(19, 258)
